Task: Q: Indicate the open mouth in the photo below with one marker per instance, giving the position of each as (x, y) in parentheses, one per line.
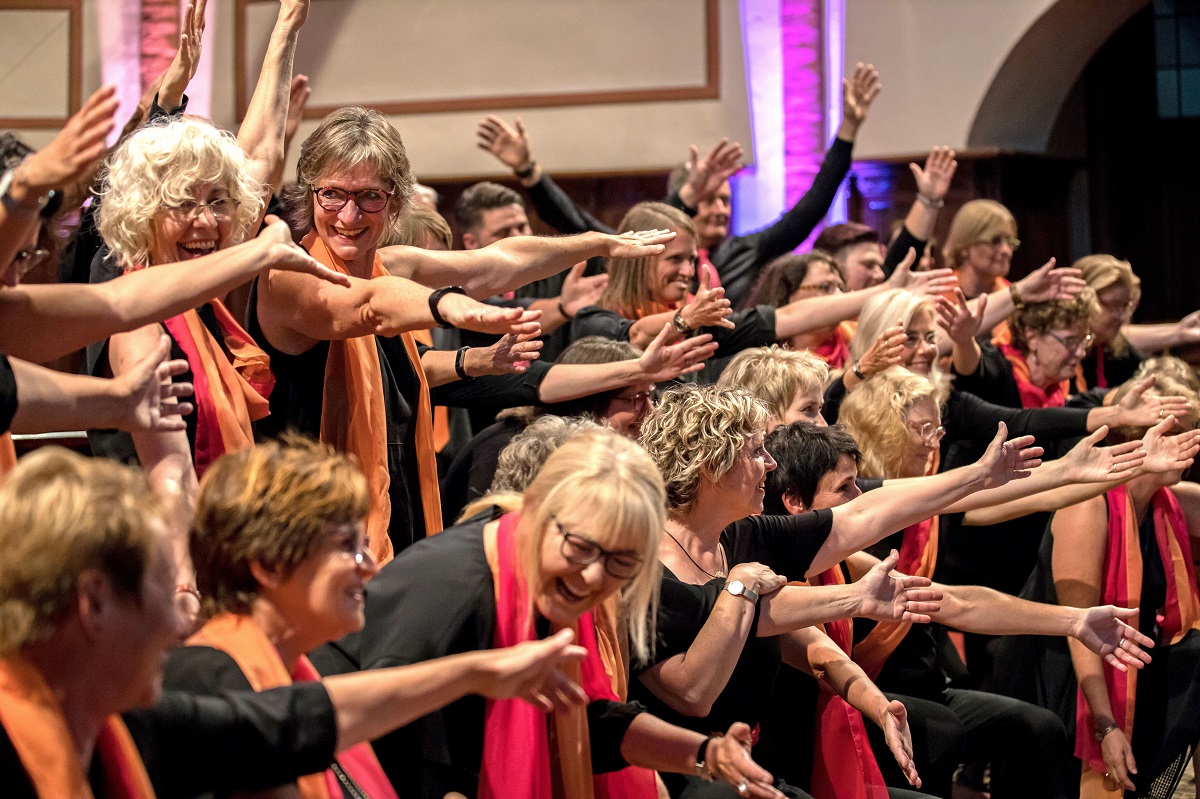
(197, 249)
(566, 594)
(349, 233)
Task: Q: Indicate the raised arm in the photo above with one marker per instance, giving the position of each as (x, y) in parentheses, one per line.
(705, 176)
(932, 184)
(262, 132)
(511, 263)
(879, 513)
(1041, 285)
(43, 322)
(187, 58)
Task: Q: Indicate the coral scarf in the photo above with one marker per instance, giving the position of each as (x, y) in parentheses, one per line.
(229, 396)
(513, 726)
(244, 641)
(33, 719)
(844, 767)
(354, 419)
(1123, 587)
(835, 350)
(1032, 396)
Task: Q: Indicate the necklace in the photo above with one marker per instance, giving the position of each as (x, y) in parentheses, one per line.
(721, 549)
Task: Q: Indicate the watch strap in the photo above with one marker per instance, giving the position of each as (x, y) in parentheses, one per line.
(435, 297)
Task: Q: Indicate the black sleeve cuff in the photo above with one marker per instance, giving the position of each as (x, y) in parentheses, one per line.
(607, 724)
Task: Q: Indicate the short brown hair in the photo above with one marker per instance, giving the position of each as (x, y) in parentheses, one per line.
(483, 196)
(344, 139)
(836, 238)
(272, 504)
(784, 276)
(1042, 317)
(60, 515)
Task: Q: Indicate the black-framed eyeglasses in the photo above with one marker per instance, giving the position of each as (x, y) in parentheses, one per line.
(828, 287)
(638, 398)
(1074, 344)
(370, 201)
(583, 551)
(222, 208)
(27, 260)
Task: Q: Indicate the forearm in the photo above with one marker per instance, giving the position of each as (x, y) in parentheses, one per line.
(976, 609)
(1089, 672)
(1046, 501)
(568, 381)
(965, 356)
(262, 131)
(814, 313)
(644, 330)
(794, 607)
(815, 652)
(921, 220)
(999, 307)
(879, 513)
(652, 743)
(503, 266)
(1050, 475)
(50, 401)
(372, 703)
(438, 366)
(552, 316)
(1154, 338)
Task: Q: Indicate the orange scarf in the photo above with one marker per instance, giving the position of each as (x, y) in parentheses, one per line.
(514, 726)
(229, 396)
(33, 719)
(1033, 396)
(354, 419)
(844, 767)
(244, 641)
(1123, 587)
(8, 455)
(835, 350)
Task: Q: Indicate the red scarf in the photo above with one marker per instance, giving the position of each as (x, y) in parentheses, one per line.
(835, 350)
(33, 719)
(228, 396)
(244, 641)
(517, 759)
(1123, 587)
(1032, 396)
(844, 767)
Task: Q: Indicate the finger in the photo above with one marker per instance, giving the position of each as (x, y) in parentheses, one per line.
(520, 128)
(889, 563)
(705, 277)
(1130, 767)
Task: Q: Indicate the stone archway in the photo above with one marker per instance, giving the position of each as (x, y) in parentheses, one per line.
(1022, 103)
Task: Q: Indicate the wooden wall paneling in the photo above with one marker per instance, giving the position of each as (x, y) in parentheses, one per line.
(74, 9)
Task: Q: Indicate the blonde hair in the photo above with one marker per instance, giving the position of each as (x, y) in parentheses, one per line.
(610, 487)
(272, 504)
(881, 312)
(520, 461)
(695, 433)
(1105, 271)
(159, 167)
(344, 139)
(876, 414)
(1170, 381)
(413, 227)
(1041, 317)
(60, 515)
(775, 375)
(978, 220)
(629, 279)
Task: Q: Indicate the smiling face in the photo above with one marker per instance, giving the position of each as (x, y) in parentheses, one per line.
(323, 597)
(863, 265)
(920, 345)
(743, 488)
(350, 233)
(181, 234)
(712, 217)
(674, 270)
(837, 487)
(923, 422)
(566, 590)
(1116, 306)
(629, 407)
(496, 224)
(993, 257)
(1053, 355)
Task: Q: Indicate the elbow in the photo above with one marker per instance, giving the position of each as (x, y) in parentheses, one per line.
(693, 704)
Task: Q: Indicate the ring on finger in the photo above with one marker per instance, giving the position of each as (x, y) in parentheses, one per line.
(741, 787)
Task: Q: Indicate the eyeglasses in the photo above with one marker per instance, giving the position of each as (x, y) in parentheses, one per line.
(28, 260)
(369, 201)
(638, 398)
(914, 340)
(1118, 309)
(828, 287)
(1074, 344)
(222, 209)
(583, 552)
(996, 241)
(929, 432)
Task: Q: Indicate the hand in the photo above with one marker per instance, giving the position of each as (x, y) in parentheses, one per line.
(187, 58)
(932, 282)
(708, 307)
(956, 318)
(293, 13)
(532, 671)
(1118, 760)
(758, 578)
(1047, 283)
(858, 92)
(509, 145)
(297, 101)
(660, 363)
(1088, 462)
(638, 245)
(1103, 631)
(578, 292)
(284, 254)
(149, 396)
(708, 174)
(934, 180)
(1189, 328)
(887, 350)
(1168, 453)
(1138, 410)
(512, 353)
(73, 152)
(468, 314)
(893, 720)
(885, 595)
(1008, 460)
(728, 759)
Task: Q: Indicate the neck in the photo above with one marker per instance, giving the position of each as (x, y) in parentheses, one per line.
(69, 679)
(1038, 377)
(363, 267)
(1141, 490)
(816, 338)
(290, 642)
(972, 283)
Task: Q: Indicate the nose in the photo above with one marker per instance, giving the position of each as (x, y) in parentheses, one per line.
(368, 566)
(769, 461)
(593, 574)
(688, 270)
(207, 218)
(820, 420)
(350, 212)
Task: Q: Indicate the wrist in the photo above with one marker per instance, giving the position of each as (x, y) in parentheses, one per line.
(439, 306)
(563, 312)
(681, 323)
(930, 202)
(525, 169)
(466, 364)
(1014, 291)
(857, 371)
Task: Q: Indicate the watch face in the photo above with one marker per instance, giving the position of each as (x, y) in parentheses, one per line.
(736, 588)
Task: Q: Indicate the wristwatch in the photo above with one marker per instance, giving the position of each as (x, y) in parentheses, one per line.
(6, 181)
(738, 588)
(681, 326)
